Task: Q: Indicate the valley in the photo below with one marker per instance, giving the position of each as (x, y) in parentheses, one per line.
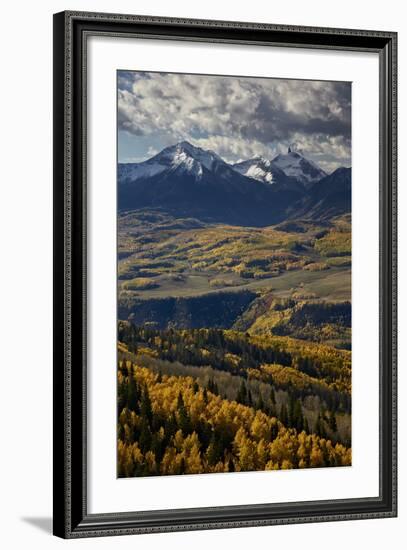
(169, 264)
(234, 314)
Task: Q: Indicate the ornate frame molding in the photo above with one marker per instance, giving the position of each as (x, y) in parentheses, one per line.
(71, 30)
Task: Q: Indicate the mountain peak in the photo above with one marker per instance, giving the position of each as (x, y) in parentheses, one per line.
(193, 158)
(295, 164)
(192, 150)
(186, 146)
(182, 156)
(257, 168)
(185, 143)
(262, 160)
(184, 178)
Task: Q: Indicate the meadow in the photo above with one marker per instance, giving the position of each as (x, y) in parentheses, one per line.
(234, 345)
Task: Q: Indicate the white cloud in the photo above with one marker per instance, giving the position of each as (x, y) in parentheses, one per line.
(238, 117)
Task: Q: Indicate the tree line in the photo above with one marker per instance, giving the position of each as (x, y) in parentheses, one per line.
(172, 425)
(240, 354)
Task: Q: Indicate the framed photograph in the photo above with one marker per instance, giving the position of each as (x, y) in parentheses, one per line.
(225, 274)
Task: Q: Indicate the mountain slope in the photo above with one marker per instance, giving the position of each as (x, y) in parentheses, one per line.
(329, 197)
(260, 169)
(183, 157)
(294, 164)
(187, 180)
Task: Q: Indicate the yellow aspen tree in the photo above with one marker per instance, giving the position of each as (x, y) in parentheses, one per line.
(193, 462)
(272, 465)
(125, 417)
(168, 463)
(238, 439)
(137, 455)
(125, 460)
(151, 462)
(128, 433)
(247, 455)
(189, 442)
(179, 440)
(316, 457)
(262, 454)
(286, 464)
(260, 427)
(219, 468)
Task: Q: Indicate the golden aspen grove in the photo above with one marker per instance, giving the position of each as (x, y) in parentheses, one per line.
(176, 419)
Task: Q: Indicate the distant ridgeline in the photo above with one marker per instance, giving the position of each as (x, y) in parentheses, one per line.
(189, 181)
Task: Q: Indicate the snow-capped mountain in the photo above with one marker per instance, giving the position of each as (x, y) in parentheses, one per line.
(181, 157)
(294, 164)
(259, 169)
(191, 182)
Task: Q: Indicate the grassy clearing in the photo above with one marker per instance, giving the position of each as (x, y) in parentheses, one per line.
(163, 258)
(337, 242)
(140, 283)
(182, 246)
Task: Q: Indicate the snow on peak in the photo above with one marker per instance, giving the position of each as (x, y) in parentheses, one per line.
(135, 171)
(294, 164)
(182, 157)
(257, 168)
(188, 158)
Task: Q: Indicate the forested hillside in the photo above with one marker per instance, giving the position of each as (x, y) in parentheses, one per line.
(234, 335)
(172, 425)
(213, 400)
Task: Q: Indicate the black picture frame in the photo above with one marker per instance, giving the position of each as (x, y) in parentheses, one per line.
(71, 519)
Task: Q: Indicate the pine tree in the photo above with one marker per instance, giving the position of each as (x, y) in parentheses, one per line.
(298, 416)
(146, 410)
(319, 427)
(260, 403)
(272, 396)
(184, 421)
(121, 396)
(145, 436)
(332, 422)
(284, 414)
(170, 427)
(180, 401)
(132, 393)
(214, 451)
(291, 411)
(273, 431)
(242, 393)
(182, 466)
(157, 447)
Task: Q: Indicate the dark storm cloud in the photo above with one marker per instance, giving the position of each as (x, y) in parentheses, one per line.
(274, 120)
(239, 117)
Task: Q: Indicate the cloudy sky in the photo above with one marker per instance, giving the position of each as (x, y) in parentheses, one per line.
(236, 117)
